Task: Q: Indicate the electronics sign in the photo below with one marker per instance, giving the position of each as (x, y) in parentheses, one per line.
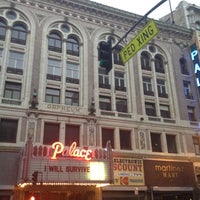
(195, 59)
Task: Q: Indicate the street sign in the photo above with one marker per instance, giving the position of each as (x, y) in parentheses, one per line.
(141, 39)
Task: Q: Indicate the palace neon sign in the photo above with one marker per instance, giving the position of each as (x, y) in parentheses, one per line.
(195, 59)
(73, 151)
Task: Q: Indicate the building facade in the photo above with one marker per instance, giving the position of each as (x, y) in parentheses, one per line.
(61, 114)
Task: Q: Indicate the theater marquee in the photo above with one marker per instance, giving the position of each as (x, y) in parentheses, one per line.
(67, 164)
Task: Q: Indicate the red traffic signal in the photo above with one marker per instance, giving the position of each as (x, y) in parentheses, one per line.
(35, 177)
(105, 55)
(32, 198)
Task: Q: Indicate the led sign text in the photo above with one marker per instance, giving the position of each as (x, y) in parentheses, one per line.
(73, 151)
(195, 59)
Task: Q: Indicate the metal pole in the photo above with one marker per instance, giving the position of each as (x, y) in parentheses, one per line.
(143, 18)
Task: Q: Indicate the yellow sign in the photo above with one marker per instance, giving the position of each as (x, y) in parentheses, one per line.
(142, 38)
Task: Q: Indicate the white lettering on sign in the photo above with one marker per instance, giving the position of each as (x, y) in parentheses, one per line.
(64, 108)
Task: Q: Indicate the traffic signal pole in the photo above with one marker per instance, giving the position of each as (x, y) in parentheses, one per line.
(138, 22)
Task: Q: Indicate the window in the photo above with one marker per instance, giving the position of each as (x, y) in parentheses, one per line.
(117, 57)
(72, 98)
(107, 135)
(8, 131)
(161, 88)
(159, 64)
(73, 73)
(12, 93)
(121, 105)
(3, 27)
(54, 69)
(19, 34)
(103, 79)
(164, 111)
(51, 133)
(191, 113)
(72, 46)
(15, 63)
(145, 61)
(156, 142)
(55, 42)
(125, 140)
(104, 103)
(171, 143)
(52, 95)
(1, 58)
(147, 86)
(120, 81)
(150, 109)
(183, 65)
(72, 134)
(187, 90)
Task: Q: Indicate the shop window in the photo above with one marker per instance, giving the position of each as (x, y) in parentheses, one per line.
(187, 90)
(120, 81)
(107, 135)
(161, 86)
(54, 70)
(147, 86)
(125, 140)
(171, 143)
(55, 41)
(104, 103)
(103, 79)
(72, 133)
(52, 95)
(191, 113)
(145, 61)
(8, 131)
(159, 64)
(73, 45)
(71, 98)
(165, 111)
(3, 28)
(117, 57)
(19, 34)
(156, 142)
(183, 65)
(121, 105)
(15, 63)
(150, 109)
(73, 73)
(51, 133)
(12, 93)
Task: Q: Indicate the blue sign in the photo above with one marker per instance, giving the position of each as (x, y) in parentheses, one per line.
(195, 59)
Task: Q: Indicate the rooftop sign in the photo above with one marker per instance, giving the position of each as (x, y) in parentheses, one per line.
(141, 39)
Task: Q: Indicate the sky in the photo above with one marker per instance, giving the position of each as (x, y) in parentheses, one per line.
(141, 7)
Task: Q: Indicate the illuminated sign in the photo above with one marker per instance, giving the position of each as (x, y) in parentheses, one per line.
(72, 152)
(128, 171)
(141, 39)
(195, 59)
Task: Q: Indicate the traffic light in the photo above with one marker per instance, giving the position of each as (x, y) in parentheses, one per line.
(35, 177)
(105, 55)
(32, 198)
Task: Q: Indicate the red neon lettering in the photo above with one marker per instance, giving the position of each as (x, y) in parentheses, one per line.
(59, 147)
(73, 151)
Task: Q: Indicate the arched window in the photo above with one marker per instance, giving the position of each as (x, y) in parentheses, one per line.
(55, 42)
(183, 65)
(159, 64)
(19, 34)
(2, 29)
(145, 61)
(117, 58)
(73, 46)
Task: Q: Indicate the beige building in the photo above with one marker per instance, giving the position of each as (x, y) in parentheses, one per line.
(61, 114)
